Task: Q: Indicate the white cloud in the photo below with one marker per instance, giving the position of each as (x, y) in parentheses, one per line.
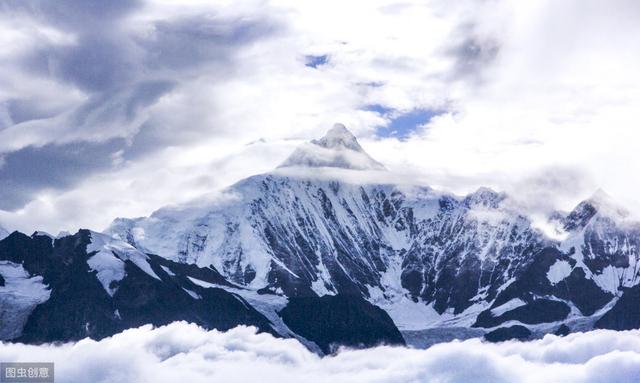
(529, 90)
(186, 352)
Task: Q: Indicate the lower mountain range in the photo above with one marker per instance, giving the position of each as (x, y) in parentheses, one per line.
(330, 261)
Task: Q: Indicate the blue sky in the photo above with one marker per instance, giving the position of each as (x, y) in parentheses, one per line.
(402, 125)
(316, 61)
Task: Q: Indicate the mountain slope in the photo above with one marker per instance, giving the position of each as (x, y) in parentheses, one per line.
(90, 285)
(430, 259)
(85, 296)
(313, 248)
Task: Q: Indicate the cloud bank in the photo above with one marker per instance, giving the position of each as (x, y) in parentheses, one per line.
(185, 352)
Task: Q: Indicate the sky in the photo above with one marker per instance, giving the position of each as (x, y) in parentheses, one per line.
(114, 109)
(185, 352)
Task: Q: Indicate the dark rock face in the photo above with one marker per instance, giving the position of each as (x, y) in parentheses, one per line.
(508, 333)
(563, 330)
(583, 292)
(456, 255)
(340, 320)
(533, 282)
(580, 216)
(625, 314)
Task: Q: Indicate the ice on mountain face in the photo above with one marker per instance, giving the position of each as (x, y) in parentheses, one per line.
(604, 243)
(319, 230)
(609, 279)
(245, 237)
(508, 306)
(337, 149)
(558, 271)
(107, 256)
(406, 314)
(20, 294)
(193, 294)
(109, 269)
(267, 304)
(333, 237)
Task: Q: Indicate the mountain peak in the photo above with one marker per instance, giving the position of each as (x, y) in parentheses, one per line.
(339, 148)
(599, 203)
(339, 136)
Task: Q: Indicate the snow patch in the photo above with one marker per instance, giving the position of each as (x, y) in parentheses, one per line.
(20, 294)
(202, 283)
(558, 271)
(108, 260)
(266, 304)
(319, 286)
(410, 315)
(507, 306)
(109, 269)
(192, 294)
(610, 279)
(168, 271)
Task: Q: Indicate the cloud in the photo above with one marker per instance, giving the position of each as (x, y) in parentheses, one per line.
(92, 83)
(182, 351)
(184, 86)
(51, 166)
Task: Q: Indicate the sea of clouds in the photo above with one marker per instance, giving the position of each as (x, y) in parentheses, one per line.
(188, 353)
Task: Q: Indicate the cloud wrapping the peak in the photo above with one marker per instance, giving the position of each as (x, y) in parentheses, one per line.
(182, 351)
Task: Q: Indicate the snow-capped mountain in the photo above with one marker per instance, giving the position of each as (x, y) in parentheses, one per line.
(430, 259)
(315, 250)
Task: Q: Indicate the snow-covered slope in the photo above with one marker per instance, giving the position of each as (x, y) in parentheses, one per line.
(604, 243)
(20, 293)
(107, 258)
(428, 258)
